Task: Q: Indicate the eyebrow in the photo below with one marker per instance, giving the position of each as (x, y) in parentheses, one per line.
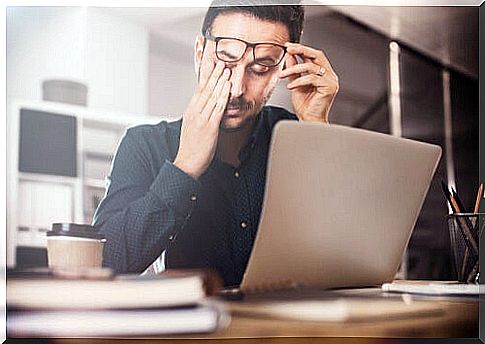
(266, 58)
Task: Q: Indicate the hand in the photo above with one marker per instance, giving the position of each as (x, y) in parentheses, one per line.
(313, 83)
(201, 120)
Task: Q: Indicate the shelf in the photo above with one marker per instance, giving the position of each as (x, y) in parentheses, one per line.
(48, 178)
(41, 198)
(98, 155)
(94, 183)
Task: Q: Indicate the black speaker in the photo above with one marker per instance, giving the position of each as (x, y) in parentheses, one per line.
(48, 143)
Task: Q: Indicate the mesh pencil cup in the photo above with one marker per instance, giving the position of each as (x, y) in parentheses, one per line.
(465, 230)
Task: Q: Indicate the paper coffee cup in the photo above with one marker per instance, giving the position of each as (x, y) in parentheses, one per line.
(73, 246)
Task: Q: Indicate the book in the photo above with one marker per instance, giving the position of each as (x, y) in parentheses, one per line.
(202, 318)
(119, 293)
(47, 305)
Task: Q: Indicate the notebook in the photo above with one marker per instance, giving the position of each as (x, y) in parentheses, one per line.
(127, 305)
(340, 206)
(101, 323)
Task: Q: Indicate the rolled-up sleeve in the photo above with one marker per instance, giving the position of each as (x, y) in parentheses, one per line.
(140, 212)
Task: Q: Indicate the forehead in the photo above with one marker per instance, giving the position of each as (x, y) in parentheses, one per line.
(249, 28)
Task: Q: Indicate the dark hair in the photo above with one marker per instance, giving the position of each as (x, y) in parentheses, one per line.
(289, 15)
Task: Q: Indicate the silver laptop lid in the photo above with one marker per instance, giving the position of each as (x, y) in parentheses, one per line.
(340, 205)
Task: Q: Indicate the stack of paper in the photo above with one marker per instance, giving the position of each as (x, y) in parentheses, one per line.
(151, 305)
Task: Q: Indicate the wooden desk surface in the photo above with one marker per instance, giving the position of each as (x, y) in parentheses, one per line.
(457, 317)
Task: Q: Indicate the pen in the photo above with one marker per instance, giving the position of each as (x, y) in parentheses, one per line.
(446, 192)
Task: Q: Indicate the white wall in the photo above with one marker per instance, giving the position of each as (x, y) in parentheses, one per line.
(107, 53)
(43, 43)
(171, 76)
(116, 63)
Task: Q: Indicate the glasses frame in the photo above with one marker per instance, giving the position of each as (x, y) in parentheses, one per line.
(250, 45)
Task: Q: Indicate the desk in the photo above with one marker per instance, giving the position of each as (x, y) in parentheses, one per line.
(458, 318)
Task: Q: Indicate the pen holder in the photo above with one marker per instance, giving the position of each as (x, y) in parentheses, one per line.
(465, 230)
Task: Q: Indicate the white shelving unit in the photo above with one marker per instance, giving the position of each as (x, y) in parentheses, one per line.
(36, 200)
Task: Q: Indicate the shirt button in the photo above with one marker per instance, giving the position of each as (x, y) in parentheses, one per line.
(193, 198)
(236, 174)
(244, 224)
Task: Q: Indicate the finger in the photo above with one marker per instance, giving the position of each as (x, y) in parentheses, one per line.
(309, 53)
(300, 68)
(289, 63)
(307, 80)
(220, 107)
(211, 103)
(219, 72)
(214, 67)
(204, 76)
(300, 49)
(206, 91)
(209, 106)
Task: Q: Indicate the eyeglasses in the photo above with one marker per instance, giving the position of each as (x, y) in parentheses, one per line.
(230, 49)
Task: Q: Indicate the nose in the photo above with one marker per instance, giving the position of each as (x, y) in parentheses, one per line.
(237, 80)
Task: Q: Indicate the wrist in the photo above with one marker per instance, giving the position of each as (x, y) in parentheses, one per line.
(187, 168)
(310, 118)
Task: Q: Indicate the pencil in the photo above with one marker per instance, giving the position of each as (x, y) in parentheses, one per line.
(474, 220)
(479, 198)
(477, 207)
(469, 238)
(458, 200)
(457, 207)
(463, 210)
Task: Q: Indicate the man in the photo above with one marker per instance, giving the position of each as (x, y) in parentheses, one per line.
(194, 188)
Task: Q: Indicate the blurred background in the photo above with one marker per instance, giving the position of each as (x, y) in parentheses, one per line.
(77, 77)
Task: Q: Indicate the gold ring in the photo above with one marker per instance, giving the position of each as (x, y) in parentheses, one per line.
(321, 71)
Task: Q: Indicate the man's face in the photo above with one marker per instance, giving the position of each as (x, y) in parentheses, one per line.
(251, 84)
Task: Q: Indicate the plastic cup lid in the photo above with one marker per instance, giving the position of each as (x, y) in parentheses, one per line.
(75, 230)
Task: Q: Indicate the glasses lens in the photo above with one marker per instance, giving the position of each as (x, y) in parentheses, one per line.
(268, 55)
(230, 50)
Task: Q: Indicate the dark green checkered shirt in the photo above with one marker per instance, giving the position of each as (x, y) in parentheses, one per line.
(151, 205)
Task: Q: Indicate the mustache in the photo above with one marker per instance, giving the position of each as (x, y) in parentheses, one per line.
(239, 103)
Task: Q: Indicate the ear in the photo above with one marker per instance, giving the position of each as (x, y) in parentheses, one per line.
(198, 52)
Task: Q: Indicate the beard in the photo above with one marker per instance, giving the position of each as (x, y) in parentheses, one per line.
(240, 103)
(249, 109)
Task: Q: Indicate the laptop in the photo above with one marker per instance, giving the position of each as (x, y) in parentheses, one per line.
(340, 206)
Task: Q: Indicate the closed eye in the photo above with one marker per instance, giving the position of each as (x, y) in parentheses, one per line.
(259, 69)
(265, 61)
(227, 55)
